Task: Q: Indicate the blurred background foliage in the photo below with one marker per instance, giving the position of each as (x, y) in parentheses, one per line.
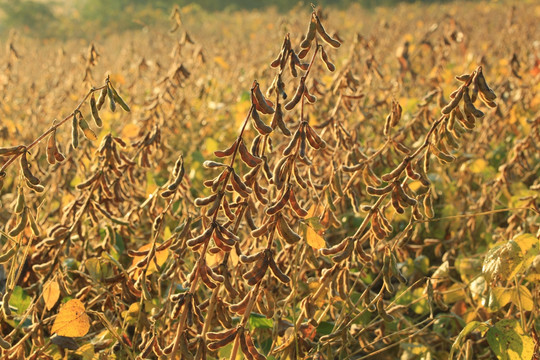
(86, 18)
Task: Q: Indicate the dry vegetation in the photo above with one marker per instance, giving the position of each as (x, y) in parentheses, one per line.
(263, 195)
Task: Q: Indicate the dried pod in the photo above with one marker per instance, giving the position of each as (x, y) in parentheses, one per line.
(428, 205)
(247, 157)
(292, 64)
(453, 103)
(227, 152)
(239, 186)
(292, 144)
(382, 312)
(215, 345)
(23, 220)
(383, 221)
(33, 225)
(75, 132)
(314, 140)
(259, 125)
(309, 97)
(396, 203)
(227, 210)
(88, 133)
(206, 200)
(205, 236)
(310, 35)
(379, 191)
(20, 205)
(298, 178)
(411, 173)
(347, 251)
(280, 204)
(112, 102)
(263, 229)
(329, 65)
(6, 311)
(485, 90)
(277, 120)
(441, 155)
(285, 231)
(490, 103)
(26, 170)
(469, 106)
(277, 271)
(240, 307)
(336, 248)
(369, 176)
(248, 259)
(403, 196)
(118, 99)
(324, 35)
(397, 171)
(296, 206)
(378, 230)
(257, 272)
(5, 257)
(463, 77)
(303, 53)
(95, 111)
(220, 335)
(51, 148)
(297, 95)
(259, 193)
(260, 102)
(102, 97)
(205, 278)
(401, 148)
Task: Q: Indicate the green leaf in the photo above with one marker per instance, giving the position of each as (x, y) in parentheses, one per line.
(258, 321)
(98, 268)
(325, 328)
(86, 352)
(421, 263)
(468, 268)
(314, 222)
(509, 342)
(20, 300)
(470, 327)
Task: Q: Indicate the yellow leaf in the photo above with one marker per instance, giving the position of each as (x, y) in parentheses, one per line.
(214, 259)
(160, 258)
(51, 293)
(221, 62)
(454, 293)
(72, 320)
(522, 297)
(499, 297)
(315, 240)
(130, 131)
(478, 165)
(528, 243)
(315, 210)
